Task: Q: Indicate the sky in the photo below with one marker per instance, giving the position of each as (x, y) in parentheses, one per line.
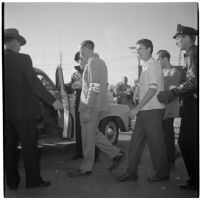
(53, 27)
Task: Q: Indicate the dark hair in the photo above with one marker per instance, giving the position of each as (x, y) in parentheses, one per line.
(88, 43)
(163, 54)
(77, 56)
(147, 43)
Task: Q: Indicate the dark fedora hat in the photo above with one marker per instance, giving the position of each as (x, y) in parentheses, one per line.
(14, 33)
(184, 30)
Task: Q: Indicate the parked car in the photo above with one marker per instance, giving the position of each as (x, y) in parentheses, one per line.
(110, 123)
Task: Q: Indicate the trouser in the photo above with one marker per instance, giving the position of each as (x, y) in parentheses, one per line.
(78, 132)
(78, 150)
(188, 138)
(169, 139)
(23, 131)
(149, 128)
(91, 137)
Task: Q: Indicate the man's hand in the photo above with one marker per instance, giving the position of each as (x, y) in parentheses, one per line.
(165, 97)
(77, 85)
(133, 113)
(86, 115)
(57, 105)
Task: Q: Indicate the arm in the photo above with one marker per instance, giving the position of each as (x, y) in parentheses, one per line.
(153, 82)
(147, 97)
(94, 82)
(39, 90)
(190, 84)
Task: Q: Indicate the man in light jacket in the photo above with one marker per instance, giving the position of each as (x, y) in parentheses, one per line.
(93, 103)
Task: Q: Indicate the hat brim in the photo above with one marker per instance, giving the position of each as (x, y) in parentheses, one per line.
(175, 36)
(20, 38)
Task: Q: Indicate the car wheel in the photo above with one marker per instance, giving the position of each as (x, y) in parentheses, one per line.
(110, 129)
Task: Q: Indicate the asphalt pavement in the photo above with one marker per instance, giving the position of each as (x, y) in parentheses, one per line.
(56, 163)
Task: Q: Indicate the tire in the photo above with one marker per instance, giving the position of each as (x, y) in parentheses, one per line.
(110, 129)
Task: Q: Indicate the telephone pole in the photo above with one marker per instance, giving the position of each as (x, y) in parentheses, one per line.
(139, 66)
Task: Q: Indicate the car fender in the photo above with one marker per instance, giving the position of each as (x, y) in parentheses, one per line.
(118, 112)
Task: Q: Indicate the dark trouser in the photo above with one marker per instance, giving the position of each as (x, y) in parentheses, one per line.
(188, 138)
(169, 139)
(25, 132)
(149, 128)
(79, 151)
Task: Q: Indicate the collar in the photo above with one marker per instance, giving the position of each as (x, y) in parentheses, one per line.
(189, 50)
(147, 62)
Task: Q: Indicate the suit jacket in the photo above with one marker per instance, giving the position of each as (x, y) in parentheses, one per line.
(22, 88)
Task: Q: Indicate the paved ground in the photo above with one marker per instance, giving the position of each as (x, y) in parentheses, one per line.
(56, 164)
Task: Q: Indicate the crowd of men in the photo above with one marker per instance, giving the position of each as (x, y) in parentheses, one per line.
(158, 96)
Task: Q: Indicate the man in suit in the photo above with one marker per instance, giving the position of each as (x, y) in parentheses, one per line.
(21, 112)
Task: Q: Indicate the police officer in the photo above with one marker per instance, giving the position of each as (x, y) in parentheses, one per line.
(188, 138)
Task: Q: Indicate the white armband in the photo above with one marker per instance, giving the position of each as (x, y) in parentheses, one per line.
(94, 87)
(153, 85)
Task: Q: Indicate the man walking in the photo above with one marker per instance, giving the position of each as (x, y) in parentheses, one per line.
(188, 137)
(21, 112)
(171, 80)
(93, 103)
(150, 114)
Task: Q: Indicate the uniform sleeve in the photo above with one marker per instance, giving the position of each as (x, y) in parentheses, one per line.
(94, 83)
(190, 84)
(39, 90)
(152, 76)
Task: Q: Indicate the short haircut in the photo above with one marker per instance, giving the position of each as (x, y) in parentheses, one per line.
(88, 43)
(163, 54)
(147, 43)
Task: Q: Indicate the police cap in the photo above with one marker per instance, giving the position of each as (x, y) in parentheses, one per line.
(184, 30)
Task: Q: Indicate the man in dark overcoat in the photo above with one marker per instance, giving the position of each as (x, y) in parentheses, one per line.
(21, 112)
(188, 137)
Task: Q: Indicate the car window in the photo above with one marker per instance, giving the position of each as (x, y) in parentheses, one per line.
(46, 82)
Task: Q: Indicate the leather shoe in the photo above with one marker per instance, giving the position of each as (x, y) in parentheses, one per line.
(157, 178)
(117, 161)
(188, 186)
(79, 173)
(127, 177)
(41, 184)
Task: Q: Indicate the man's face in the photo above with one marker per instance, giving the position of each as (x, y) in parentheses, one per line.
(143, 52)
(16, 45)
(84, 52)
(160, 60)
(182, 41)
(82, 63)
